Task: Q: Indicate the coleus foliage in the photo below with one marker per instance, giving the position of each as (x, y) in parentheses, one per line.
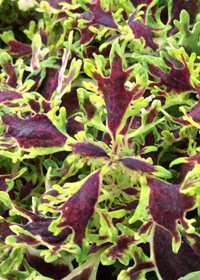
(99, 140)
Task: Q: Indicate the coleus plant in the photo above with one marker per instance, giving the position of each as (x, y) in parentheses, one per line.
(99, 140)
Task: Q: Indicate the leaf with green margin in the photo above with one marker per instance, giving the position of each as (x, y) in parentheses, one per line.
(12, 71)
(6, 180)
(17, 49)
(37, 131)
(175, 81)
(113, 88)
(118, 251)
(107, 228)
(168, 204)
(142, 212)
(142, 265)
(73, 212)
(94, 117)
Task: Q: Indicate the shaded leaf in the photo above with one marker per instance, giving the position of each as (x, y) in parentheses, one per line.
(170, 265)
(57, 272)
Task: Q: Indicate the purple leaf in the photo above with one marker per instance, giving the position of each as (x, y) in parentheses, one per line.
(131, 205)
(86, 35)
(57, 272)
(73, 212)
(140, 30)
(9, 95)
(84, 275)
(152, 113)
(37, 131)
(181, 121)
(194, 240)
(88, 150)
(73, 127)
(51, 192)
(37, 76)
(186, 167)
(5, 230)
(70, 101)
(112, 38)
(194, 113)
(130, 191)
(91, 50)
(10, 71)
(176, 80)
(139, 266)
(194, 159)
(40, 228)
(96, 17)
(3, 185)
(138, 165)
(18, 49)
(167, 205)
(35, 105)
(43, 36)
(100, 16)
(26, 190)
(114, 91)
(89, 108)
(173, 266)
(50, 83)
(94, 248)
(121, 245)
(46, 105)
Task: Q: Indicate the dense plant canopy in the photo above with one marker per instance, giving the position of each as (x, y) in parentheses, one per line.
(99, 140)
